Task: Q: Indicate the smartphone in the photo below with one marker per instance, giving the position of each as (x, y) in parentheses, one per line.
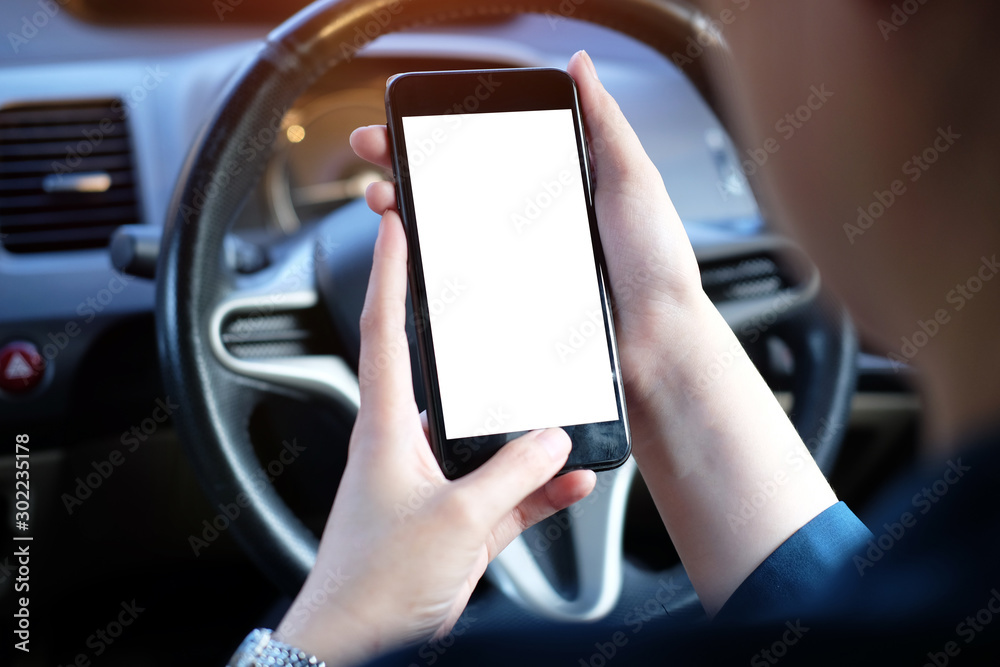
(507, 277)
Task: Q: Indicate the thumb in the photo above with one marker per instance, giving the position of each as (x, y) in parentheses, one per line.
(519, 469)
(618, 155)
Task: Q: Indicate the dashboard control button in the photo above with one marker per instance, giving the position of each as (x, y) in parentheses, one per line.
(21, 367)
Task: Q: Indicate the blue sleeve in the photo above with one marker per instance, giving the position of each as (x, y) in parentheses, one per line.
(800, 568)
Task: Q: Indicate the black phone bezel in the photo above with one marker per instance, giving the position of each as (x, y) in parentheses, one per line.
(486, 91)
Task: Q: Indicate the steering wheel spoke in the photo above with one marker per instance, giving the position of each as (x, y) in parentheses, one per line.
(270, 329)
(595, 527)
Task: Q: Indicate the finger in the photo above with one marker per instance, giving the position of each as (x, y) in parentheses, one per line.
(372, 143)
(557, 494)
(616, 150)
(381, 196)
(384, 366)
(520, 468)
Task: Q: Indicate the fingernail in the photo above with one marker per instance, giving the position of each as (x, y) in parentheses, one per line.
(589, 63)
(555, 442)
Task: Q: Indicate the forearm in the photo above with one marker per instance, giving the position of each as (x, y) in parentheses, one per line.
(730, 476)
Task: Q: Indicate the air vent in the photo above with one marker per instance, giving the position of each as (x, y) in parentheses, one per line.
(743, 278)
(66, 175)
(297, 333)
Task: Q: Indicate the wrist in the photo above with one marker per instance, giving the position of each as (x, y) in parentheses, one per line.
(672, 368)
(261, 648)
(697, 379)
(316, 624)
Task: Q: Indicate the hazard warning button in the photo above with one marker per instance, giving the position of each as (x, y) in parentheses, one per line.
(21, 367)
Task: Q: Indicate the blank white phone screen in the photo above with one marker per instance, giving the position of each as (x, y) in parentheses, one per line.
(508, 263)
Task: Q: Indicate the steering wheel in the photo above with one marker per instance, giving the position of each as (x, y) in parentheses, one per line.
(326, 270)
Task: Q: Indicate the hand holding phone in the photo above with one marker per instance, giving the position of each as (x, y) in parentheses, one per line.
(507, 274)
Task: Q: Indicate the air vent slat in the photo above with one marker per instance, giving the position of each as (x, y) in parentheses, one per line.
(66, 175)
(59, 150)
(284, 334)
(94, 163)
(22, 133)
(61, 113)
(743, 278)
(68, 239)
(80, 216)
(64, 201)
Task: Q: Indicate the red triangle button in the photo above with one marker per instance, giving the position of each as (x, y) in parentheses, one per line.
(21, 367)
